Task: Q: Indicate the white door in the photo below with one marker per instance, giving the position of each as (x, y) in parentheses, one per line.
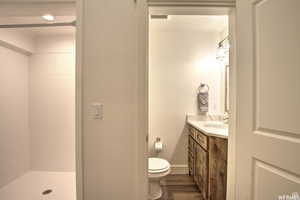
(268, 99)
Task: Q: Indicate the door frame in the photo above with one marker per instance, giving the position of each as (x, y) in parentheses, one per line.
(204, 7)
(79, 102)
(213, 8)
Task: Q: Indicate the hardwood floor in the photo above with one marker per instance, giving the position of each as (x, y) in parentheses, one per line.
(179, 187)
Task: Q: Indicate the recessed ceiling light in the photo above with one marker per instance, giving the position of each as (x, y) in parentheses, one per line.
(48, 17)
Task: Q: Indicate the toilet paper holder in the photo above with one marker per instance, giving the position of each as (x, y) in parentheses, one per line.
(158, 146)
(157, 139)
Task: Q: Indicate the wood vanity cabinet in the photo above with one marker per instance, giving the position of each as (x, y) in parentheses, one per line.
(207, 160)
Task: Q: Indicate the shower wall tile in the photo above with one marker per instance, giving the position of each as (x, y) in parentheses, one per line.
(14, 130)
(52, 104)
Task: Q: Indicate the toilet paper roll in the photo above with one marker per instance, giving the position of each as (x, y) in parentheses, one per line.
(158, 146)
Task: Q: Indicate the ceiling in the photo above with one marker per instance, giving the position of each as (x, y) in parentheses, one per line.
(65, 30)
(31, 13)
(38, 8)
(206, 23)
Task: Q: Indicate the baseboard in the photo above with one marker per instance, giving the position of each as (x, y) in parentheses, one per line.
(179, 169)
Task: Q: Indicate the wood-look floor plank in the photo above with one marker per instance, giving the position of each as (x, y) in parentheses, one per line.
(179, 187)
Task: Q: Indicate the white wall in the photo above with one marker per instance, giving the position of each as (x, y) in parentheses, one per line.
(179, 62)
(14, 127)
(17, 40)
(52, 104)
(114, 73)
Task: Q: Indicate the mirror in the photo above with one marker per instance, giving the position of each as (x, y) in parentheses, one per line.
(223, 57)
(226, 106)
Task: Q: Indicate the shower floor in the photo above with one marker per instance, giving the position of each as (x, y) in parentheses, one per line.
(31, 185)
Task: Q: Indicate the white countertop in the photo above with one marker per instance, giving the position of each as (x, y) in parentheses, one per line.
(210, 128)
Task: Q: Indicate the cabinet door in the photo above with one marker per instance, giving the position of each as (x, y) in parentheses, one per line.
(217, 168)
(201, 170)
(191, 153)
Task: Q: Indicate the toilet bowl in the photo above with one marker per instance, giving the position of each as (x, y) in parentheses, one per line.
(157, 169)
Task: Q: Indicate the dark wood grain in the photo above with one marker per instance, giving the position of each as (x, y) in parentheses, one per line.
(208, 164)
(199, 137)
(217, 168)
(191, 154)
(201, 171)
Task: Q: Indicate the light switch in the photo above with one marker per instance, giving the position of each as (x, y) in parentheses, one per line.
(97, 111)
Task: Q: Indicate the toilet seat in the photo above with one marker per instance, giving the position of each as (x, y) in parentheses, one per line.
(158, 165)
(157, 169)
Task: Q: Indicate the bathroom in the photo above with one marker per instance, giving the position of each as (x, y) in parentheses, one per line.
(110, 139)
(188, 106)
(37, 83)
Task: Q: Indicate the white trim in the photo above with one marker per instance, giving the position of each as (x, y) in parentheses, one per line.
(142, 100)
(215, 3)
(231, 163)
(195, 7)
(78, 130)
(179, 169)
(190, 10)
(15, 48)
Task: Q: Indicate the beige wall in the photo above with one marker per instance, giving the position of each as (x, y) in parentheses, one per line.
(114, 74)
(14, 130)
(179, 62)
(52, 104)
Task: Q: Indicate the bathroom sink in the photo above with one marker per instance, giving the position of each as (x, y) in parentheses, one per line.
(212, 128)
(215, 124)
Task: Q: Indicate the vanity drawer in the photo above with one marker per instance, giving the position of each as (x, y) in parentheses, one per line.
(193, 132)
(199, 137)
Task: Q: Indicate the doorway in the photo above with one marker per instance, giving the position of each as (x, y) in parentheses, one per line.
(38, 101)
(161, 70)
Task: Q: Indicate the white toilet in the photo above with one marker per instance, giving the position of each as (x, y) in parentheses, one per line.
(157, 169)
